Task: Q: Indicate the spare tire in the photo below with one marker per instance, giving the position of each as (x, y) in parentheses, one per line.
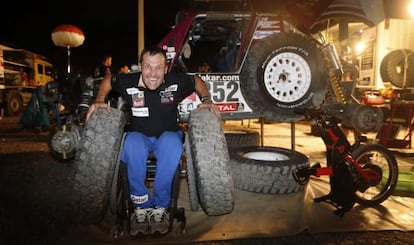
(282, 72)
(393, 65)
(211, 162)
(384, 67)
(94, 164)
(265, 169)
(240, 136)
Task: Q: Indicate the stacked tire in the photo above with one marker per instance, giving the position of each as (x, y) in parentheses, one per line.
(240, 136)
(262, 169)
(266, 170)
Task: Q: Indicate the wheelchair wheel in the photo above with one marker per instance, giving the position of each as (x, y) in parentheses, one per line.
(177, 215)
(121, 204)
(117, 189)
(191, 178)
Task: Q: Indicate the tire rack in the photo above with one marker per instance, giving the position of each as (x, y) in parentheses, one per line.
(386, 135)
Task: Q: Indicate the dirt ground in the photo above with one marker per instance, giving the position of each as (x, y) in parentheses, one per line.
(34, 189)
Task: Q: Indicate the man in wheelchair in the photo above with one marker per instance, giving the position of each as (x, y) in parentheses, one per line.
(153, 96)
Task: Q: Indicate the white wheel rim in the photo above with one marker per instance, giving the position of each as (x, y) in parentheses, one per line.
(266, 156)
(287, 77)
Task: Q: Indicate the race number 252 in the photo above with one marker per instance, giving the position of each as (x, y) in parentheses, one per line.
(223, 91)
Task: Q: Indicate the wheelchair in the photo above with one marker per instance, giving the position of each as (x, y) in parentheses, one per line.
(122, 205)
(100, 180)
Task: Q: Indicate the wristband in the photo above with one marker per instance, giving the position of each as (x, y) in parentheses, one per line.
(205, 98)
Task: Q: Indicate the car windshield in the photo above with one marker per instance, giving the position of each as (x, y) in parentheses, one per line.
(214, 41)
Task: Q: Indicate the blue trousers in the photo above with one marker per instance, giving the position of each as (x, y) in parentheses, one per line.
(167, 149)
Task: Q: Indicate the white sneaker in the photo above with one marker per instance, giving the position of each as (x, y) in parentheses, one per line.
(159, 220)
(140, 221)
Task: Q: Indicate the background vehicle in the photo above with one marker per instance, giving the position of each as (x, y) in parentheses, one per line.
(70, 98)
(261, 65)
(20, 72)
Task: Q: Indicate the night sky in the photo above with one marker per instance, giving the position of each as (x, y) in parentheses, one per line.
(110, 27)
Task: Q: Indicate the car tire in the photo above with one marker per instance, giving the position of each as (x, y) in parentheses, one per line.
(367, 118)
(393, 65)
(14, 103)
(94, 164)
(211, 163)
(281, 73)
(240, 136)
(266, 170)
(284, 72)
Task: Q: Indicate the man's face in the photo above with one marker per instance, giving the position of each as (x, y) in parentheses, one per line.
(153, 69)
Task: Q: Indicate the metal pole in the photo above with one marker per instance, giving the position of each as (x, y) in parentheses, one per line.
(292, 135)
(261, 119)
(68, 49)
(141, 31)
